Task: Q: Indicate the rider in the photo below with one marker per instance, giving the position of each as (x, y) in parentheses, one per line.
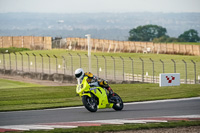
(93, 81)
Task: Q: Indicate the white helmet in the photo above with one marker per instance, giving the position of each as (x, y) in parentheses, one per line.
(79, 73)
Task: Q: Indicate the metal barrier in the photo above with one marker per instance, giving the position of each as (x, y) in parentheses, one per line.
(107, 67)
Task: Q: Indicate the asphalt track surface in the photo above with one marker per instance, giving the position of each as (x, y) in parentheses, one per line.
(175, 107)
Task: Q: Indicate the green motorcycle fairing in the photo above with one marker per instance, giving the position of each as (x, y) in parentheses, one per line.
(85, 89)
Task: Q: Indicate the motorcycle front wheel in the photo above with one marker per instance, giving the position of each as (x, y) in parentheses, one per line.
(89, 103)
(119, 105)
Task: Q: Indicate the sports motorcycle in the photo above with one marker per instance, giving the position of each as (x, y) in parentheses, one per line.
(94, 98)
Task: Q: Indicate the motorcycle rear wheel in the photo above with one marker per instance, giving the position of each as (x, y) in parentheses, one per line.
(89, 103)
(119, 105)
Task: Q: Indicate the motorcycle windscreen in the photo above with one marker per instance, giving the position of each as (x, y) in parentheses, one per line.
(83, 86)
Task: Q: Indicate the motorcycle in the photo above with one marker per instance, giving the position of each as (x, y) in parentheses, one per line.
(94, 98)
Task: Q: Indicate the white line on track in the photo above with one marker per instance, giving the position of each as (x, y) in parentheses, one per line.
(35, 127)
(162, 101)
(183, 116)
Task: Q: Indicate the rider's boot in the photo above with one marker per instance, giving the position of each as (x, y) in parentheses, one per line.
(110, 95)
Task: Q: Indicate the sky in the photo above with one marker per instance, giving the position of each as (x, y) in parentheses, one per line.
(95, 6)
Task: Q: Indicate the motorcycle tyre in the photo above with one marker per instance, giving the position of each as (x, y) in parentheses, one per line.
(87, 106)
(118, 108)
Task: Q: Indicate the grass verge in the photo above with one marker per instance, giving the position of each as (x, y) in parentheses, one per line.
(15, 84)
(126, 127)
(13, 49)
(13, 96)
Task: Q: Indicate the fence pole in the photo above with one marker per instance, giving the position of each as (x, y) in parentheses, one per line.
(22, 61)
(71, 64)
(28, 62)
(122, 66)
(185, 71)
(195, 79)
(88, 59)
(49, 63)
(56, 64)
(152, 68)
(79, 59)
(142, 69)
(4, 64)
(114, 67)
(174, 65)
(35, 62)
(42, 64)
(132, 66)
(163, 65)
(9, 60)
(89, 51)
(15, 60)
(105, 66)
(64, 64)
(97, 65)
(1, 60)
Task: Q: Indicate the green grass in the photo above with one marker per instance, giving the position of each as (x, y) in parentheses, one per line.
(13, 49)
(6, 84)
(28, 96)
(126, 127)
(145, 92)
(16, 95)
(61, 52)
(187, 43)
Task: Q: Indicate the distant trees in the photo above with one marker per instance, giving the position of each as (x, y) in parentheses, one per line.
(146, 33)
(189, 36)
(157, 33)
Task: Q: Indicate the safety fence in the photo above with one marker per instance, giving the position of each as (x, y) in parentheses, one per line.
(106, 67)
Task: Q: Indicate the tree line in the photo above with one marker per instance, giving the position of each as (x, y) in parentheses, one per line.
(157, 33)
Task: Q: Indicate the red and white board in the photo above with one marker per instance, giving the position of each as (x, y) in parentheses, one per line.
(169, 79)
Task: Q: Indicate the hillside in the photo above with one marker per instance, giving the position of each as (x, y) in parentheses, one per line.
(113, 26)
